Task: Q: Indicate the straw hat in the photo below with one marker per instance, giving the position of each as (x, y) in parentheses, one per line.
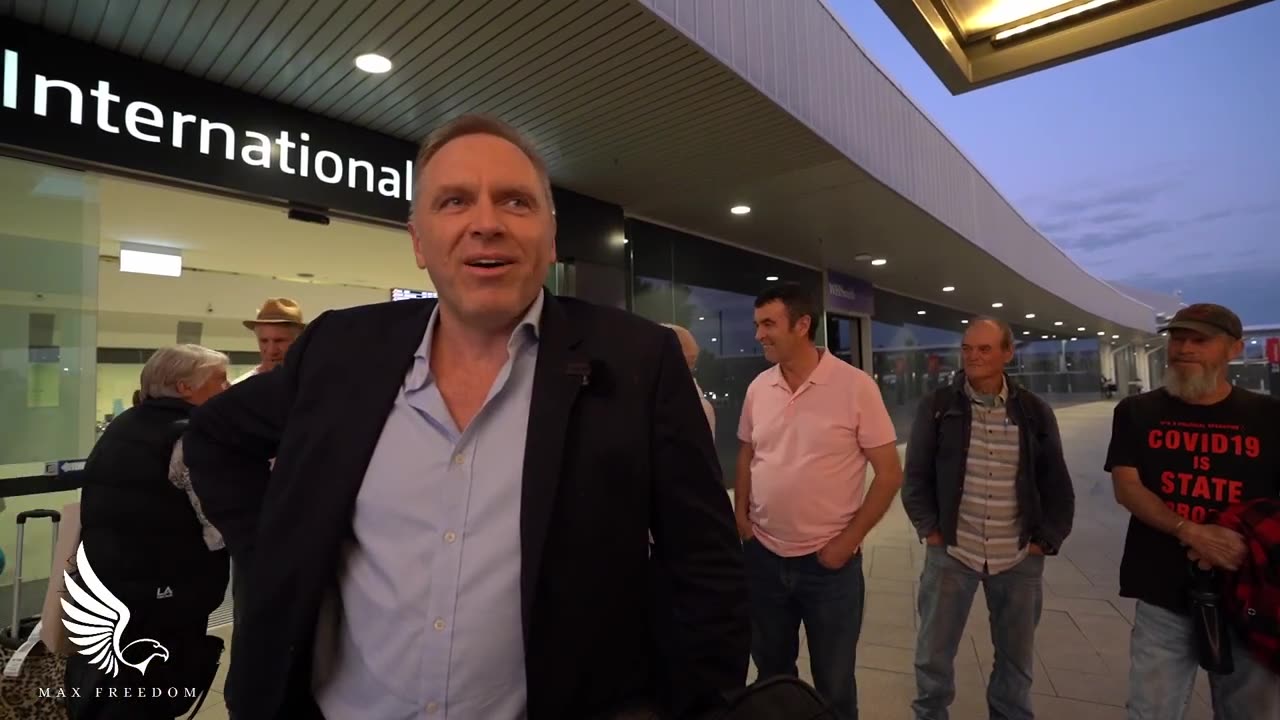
(277, 311)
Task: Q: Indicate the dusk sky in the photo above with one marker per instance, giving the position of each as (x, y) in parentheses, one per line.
(1155, 165)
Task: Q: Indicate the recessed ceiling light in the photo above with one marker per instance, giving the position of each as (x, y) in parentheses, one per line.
(920, 312)
(701, 318)
(1074, 339)
(1100, 332)
(740, 209)
(964, 322)
(714, 340)
(1026, 332)
(771, 278)
(997, 305)
(1058, 323)
(1079, 329)
(1031, 316)
(1044, 337)
(373, 63)
(879, 261)
(1251, 342)
(1115, 337)
(949, 288)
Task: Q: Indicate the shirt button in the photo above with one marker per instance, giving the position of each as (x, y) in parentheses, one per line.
(432, 708)
(458, 459)
(450, 536)
(439, 624)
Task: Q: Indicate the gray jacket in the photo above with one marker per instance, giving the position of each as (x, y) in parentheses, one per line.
(937, 454)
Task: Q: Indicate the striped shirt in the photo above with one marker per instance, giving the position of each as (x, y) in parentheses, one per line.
(989, 526)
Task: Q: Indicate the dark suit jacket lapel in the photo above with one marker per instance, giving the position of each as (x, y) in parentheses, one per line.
(555, 388)
(382, 361)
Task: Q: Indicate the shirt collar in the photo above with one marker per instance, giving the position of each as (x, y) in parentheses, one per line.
(525, 333)
(821, 372)
(1001, 398)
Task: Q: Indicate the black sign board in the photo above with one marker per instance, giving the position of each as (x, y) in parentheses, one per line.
(75, 100)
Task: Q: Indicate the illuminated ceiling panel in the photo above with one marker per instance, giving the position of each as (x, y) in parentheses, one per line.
(974, 43)
(979, 17)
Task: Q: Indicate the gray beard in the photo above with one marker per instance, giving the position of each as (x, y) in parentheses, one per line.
(1191, 386)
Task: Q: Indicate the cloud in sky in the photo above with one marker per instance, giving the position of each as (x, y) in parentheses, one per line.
(1155, 162)
(1127, 215)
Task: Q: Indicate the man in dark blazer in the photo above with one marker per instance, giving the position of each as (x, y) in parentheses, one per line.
(457, 524)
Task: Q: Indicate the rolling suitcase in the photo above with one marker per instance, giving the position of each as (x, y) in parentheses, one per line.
(33, 677)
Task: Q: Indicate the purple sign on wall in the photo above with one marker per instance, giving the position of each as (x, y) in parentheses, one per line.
(849, 295)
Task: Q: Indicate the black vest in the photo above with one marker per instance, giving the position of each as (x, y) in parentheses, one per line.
(138, 528)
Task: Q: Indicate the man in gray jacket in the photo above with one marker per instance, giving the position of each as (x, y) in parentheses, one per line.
(988, 490)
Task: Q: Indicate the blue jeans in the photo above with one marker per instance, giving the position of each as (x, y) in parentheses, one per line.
(788, 591)
(1162, 671)
(1014, 597)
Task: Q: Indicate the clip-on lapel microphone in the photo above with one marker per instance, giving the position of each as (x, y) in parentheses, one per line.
(580, 370)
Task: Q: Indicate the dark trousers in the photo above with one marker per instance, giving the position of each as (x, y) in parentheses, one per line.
(239, 598)
(786, 592)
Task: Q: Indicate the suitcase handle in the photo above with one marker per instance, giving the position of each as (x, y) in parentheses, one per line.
(35, 514)
(56, 517)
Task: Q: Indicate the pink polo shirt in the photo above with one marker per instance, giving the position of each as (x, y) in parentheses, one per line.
(808, 471)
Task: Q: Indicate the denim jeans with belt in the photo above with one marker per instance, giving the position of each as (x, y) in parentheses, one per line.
(1163, 663)
(788, 591)
(1015, 599)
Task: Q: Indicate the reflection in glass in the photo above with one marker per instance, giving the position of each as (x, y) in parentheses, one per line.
(709, 288)
(1252, 371)
(910, 360)
(729, 357)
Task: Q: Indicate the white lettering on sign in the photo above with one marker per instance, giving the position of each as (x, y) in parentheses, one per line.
(836, 290)
(148, 123)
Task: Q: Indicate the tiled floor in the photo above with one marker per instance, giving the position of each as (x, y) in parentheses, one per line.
(1083, 639)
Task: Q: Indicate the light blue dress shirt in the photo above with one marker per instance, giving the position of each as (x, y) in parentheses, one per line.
(425, 622)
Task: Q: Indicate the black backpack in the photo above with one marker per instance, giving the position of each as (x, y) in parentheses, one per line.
(776, 698)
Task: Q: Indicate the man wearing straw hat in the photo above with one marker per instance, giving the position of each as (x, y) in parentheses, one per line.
(278, 324)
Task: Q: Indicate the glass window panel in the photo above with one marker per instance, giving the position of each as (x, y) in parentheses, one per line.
(48, 324)
(710, 288)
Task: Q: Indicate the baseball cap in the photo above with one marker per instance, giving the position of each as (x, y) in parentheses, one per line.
(1208, 319)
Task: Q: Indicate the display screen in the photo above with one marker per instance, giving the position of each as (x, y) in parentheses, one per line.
(407, 294)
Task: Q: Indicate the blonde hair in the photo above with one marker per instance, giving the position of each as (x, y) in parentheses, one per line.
(478, 124)
(168, 366)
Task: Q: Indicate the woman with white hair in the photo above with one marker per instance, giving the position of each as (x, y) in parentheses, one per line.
(149, 545)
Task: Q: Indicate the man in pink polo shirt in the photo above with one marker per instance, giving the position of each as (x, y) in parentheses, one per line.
(810, 424)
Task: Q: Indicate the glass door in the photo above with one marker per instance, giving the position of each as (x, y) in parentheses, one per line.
(844, 338)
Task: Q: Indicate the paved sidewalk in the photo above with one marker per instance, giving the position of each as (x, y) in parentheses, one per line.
(1083, 640)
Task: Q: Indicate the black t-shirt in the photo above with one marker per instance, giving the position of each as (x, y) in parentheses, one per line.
(1199, 459)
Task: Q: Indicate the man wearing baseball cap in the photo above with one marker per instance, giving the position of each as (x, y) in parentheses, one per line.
(277, 325)
(1179, 455)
